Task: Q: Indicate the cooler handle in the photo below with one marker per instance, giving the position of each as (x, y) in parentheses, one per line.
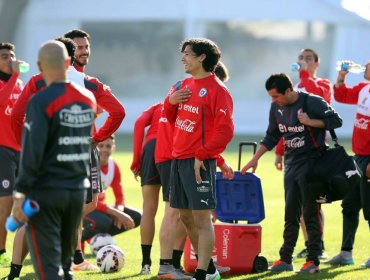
(247, 143)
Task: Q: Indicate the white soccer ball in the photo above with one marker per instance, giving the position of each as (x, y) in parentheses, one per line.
(99, 241)
(110, 258)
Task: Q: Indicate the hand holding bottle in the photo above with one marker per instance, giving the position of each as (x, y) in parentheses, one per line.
(20, 66)
(349, 66)
(29, 208)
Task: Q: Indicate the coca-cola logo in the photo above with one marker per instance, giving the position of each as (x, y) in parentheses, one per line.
(296, 142)
(185, 125)
(362, 123)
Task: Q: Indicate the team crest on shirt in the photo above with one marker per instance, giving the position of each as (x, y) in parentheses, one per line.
(5, 183)
(203, 92)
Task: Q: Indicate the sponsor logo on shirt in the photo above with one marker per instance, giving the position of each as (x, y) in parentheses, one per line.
(294, 143)
(73, 157)
(14, 95)
(189, 108)
(284, 128)
(74, 140)
(76, 117)
(362, 123)
(203, 92)
(186, 125)
(203, 189)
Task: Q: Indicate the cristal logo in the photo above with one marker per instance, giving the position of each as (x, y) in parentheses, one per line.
(76, 117)
(296, 142)
(225, 243)
(186, 125)
(362, 123)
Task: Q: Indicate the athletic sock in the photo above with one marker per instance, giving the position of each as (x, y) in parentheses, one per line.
(306, 244)
(78, 257)
(2, 251)
(176, 258)
(145, 251)
(211, 267)
(15, 270)
(200, 274)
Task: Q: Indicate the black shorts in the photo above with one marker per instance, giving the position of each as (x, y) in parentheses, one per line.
(9, 160)
(185, 192)
(164, 170)
(95, 176)
(148, 171)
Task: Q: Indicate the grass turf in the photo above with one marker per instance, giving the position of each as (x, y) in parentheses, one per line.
(272, 183)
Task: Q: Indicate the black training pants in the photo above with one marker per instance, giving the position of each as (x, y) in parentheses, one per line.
(51, 233)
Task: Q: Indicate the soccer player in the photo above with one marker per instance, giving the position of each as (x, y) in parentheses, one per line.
(10, 89)
(359, 197)
(54, 165)
(309, 61)
(105, 218)
(287, 119)
(202, 113)
(143, 165)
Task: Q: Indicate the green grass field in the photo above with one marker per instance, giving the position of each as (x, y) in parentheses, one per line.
(272, 228)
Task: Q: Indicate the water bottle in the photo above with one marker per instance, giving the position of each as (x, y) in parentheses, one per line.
(350, 67)
(295, 67)
(24, 67)
(30, 208)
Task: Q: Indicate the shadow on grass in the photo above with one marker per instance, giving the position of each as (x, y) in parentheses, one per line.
(325, 273)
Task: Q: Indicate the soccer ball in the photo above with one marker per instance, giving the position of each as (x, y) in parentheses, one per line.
(99, 241)
(110, 258)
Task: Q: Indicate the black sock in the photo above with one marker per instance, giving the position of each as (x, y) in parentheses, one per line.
(306, 244)
(15, 270)
(145, 251)
(176, 258)
(2, 251)
(78, 257)
(322, 245)
(200, 274)
(165, 262)
(211, 267)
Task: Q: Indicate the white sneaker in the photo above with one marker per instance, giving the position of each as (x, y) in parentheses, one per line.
(366, 264)
(214, 276)
(146, 270)
(221, 269)
(84, 266)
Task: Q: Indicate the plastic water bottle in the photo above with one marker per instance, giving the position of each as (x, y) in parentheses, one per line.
(350, 67)
(24, 67)
(295, 67)
(30, 208)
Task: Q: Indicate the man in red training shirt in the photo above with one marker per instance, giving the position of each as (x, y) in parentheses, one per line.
(203, 127)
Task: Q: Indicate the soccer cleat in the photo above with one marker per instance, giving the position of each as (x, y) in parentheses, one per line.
(4, 259)
(280, 266)
(146, 270)
(339, 260)
(214, 276)
(221, 269)
(173, 274)
(366, 264)
(302, 254)
(84, 266)
(309, 267)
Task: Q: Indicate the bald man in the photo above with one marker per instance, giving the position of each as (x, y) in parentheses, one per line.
(54, 165)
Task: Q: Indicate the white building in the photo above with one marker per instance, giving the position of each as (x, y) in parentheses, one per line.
(135, 44)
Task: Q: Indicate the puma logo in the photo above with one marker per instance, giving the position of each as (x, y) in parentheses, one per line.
(327, 111)
(281, 111)
(204, 201)
(223, 111)
(28, 125)
(351, 173)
